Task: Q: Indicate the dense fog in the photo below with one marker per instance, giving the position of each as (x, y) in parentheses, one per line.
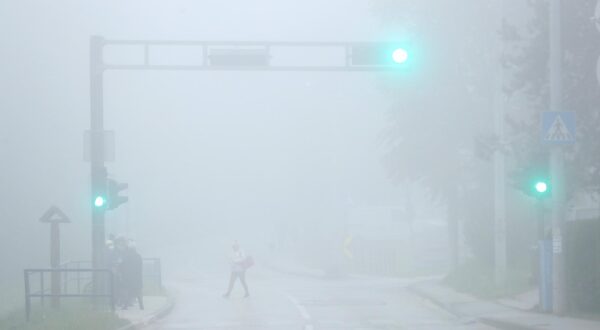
(350, 173)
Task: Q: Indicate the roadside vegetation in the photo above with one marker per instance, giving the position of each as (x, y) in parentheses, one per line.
(71, 316)
(477, 279)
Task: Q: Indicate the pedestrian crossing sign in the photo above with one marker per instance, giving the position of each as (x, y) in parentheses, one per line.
(558, 127)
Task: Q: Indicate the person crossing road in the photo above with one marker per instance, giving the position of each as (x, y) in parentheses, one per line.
(239, 264)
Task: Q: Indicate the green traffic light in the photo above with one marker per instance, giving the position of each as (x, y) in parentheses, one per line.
(99, 201)
(541, 187)
(400, 55)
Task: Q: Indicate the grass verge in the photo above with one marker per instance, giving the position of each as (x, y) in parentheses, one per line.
(477, 279)
(74, 315)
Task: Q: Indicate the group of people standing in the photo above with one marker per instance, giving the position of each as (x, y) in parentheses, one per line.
(127, 267)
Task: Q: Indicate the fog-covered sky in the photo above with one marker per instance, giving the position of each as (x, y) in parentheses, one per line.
(246, 155)
(197, 149)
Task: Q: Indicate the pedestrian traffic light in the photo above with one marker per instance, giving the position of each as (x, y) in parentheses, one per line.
(532, 175)
(114, 188)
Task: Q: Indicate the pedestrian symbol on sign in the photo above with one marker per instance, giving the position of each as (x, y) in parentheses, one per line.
(558, 131)
(558, 127)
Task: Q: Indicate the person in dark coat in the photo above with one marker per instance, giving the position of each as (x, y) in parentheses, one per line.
(132, 276)
(116, 260)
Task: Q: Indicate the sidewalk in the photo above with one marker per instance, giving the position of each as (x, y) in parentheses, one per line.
(494, 313)
(155, 307)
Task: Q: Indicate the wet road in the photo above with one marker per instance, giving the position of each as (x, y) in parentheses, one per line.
(281, 302)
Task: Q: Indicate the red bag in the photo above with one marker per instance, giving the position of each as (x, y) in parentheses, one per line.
(248, 262)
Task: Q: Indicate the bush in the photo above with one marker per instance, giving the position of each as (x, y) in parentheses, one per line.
(477, 279)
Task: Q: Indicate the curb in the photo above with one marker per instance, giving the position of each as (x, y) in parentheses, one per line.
(502, 324)
(490, 321)
(162, 312)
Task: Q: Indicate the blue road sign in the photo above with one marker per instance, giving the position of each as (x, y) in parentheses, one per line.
(558, 127)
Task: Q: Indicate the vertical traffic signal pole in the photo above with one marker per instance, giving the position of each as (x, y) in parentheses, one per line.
(540, 244)
(543, 274)
(98, 171)
(557, 163)
(499, 164)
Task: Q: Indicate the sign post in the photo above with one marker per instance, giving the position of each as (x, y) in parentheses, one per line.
(54, 216)
(558, 129)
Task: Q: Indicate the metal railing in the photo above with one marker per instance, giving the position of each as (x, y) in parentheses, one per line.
(81, 280)
(76, 279)
(152, 273)
(43, 291)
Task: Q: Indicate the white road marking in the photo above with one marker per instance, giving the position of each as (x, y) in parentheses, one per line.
(226, 325)
(303, 312)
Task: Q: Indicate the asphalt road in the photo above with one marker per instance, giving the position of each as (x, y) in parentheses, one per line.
(280, 301)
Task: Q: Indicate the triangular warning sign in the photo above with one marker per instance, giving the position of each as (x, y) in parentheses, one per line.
(54, 215)
(558, 131)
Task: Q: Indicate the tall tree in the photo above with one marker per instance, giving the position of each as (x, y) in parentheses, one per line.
(444, 102)
(529, 83)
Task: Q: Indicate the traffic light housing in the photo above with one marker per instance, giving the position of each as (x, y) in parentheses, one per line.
(114, 189)
(378, 54)
(533, 179)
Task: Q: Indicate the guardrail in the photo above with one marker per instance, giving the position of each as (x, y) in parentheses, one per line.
(43, 291)
(152, 273)
(80, 279)
(76, 279)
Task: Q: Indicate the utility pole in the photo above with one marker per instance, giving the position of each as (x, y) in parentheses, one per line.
(98, 170)
(499, 162)
(557, 163)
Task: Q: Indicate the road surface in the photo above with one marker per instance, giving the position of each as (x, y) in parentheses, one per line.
(281, 301)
